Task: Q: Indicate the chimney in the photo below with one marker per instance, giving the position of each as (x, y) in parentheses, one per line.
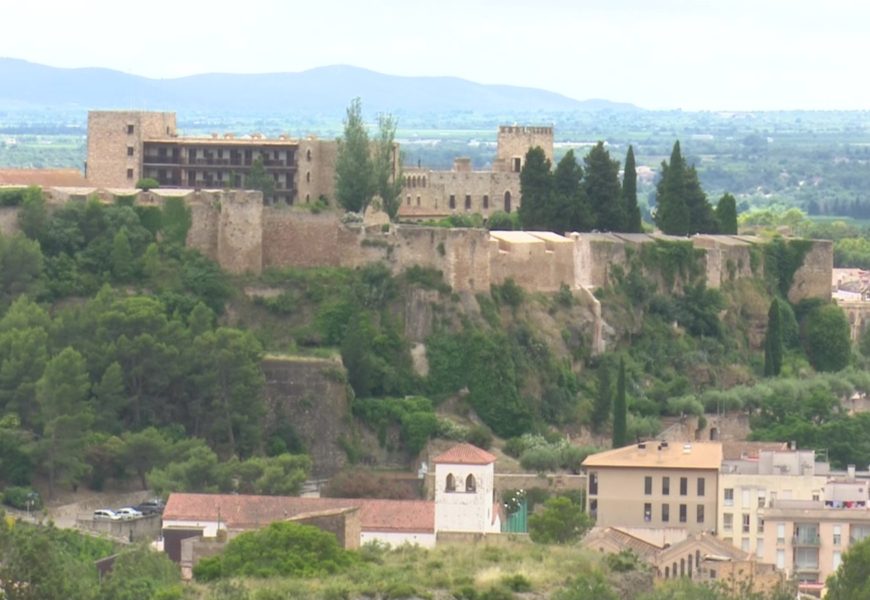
(850, 470)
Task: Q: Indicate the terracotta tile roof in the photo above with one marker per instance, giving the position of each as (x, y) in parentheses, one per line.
(398, 515)
(654, 455)
(42, 177)
(465, 454)
(623, 540)
(248, 512)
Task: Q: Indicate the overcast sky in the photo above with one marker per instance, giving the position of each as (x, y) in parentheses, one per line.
(690, 54)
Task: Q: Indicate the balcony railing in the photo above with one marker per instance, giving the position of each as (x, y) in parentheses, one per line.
(806, 540)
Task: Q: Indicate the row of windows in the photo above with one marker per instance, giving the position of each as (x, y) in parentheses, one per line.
(728, 523)
(452, 201)
(700, 487)
(666, 513)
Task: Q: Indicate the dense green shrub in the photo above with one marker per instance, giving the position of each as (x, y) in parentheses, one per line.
(282, 549)
(18, 497)
(560, 521)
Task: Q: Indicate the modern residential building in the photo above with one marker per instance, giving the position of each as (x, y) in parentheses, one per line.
(655, 485)
(753, 482)
(807, 538)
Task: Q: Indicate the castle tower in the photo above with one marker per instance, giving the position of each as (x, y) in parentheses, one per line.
(464, 497)
(515, 141)
(115, 143)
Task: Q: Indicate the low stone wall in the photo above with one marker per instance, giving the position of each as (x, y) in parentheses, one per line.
(145, 528)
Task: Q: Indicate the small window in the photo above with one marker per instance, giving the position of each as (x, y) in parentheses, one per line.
(837, 535)
(129, 129)
(700, 515)
(727, 521)
(452, 202)
(647, 486)
(467, 201)
(485, 201)
(683, 513)
(745, 523)
(729, 496)
(308, 155)
(593, 484)
(666, 513)
(701, 486)
(470, 485)
(129, 173)
(518, 162)
(780, 533)
(129, 150)
(418, 200)
(408, 200)
(666, 486)
(308, 177)
(450, 486)
(684, 486)
(647, 512)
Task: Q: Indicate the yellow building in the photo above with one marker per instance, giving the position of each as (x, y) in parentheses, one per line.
(655, 485)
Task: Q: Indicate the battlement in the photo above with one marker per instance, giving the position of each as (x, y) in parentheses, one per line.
(525, 130)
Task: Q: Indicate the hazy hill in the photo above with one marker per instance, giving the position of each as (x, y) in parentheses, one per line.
(322, 90)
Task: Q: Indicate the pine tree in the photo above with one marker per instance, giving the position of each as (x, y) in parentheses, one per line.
(601, 185)
(726, 215)
(672, 214)
(773, 341)
(603, 400)
(536, 187)
(633, 222)
(620, 410)
(122, 256)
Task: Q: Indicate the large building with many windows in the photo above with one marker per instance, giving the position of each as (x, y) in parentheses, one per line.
(655, 485)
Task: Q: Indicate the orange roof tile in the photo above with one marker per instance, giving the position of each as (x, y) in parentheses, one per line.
(248, 512)
(465, 454)
(42, 177)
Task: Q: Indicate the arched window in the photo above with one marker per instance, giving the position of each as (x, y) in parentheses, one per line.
(682, 567)
(308, 177)
(667, 572)
(507, 201)
(697, 559)
(308, 155)
(451, 483)
(470, 484)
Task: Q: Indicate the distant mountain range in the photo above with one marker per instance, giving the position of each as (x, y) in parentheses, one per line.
(322, 90)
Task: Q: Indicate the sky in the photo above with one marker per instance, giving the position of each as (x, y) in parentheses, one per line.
(668, 54)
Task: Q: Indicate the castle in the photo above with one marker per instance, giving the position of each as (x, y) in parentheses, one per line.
(126, 146)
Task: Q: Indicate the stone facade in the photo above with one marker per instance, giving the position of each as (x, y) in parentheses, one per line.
(115, 144)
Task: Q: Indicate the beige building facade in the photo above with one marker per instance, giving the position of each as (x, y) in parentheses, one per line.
(655, 485)
(750, 485)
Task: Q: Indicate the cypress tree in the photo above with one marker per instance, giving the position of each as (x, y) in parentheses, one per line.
(601, 184)
(726, 215)
(701, 216)
(570, 205)
(633, 222)
(620, 409)
(536, 187)
(672, 214)
(773, 341)
(604, 400)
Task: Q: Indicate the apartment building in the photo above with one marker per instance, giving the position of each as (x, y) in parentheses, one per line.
(807, 538)
(750, 484)
(655, 485)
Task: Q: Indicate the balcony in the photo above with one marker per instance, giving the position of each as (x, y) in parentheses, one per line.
(806, 539)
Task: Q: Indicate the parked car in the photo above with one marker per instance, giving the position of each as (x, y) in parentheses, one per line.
(150, 507)
(106, 514)
(128, 513)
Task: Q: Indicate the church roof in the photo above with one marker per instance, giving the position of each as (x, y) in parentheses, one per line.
(465, 454)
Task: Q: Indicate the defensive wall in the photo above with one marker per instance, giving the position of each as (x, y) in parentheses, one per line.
(234, 228)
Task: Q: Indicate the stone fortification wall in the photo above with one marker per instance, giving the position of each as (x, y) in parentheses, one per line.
(300, 239)
(205, 211)
(312, 394)
(240, 233)
(514, 141)
(315, 176)
(813, 278)
(115, 144)
(535, 260)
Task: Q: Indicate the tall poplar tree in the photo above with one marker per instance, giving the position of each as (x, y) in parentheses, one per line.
(620, 410)
(773, 341)
(354, 173)
(633, 222)
(601, 184)
(388, 166)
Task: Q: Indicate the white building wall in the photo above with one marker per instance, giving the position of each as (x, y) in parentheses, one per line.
(209, 528)
(460, 510)
(395, 539)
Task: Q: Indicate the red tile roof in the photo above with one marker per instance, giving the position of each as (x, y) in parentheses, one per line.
(398, 515)
(248, 512)
(465, 454)
(43, 177)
